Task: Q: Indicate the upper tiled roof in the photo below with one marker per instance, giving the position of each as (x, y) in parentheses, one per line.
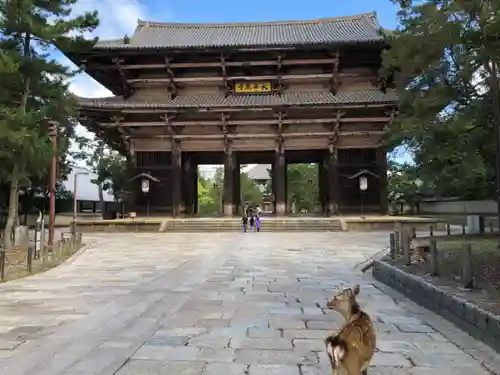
(221, 101)
(351, 29)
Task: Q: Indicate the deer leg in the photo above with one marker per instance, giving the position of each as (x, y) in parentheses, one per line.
(364, 372)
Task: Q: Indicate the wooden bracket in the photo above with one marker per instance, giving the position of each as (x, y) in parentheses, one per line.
(127, 89)
(279, 84)
(173, 89)
(224, 74)
(334, 80)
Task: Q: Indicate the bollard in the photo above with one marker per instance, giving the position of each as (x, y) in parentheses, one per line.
(463, 229)
(431, 230)
(491, 227)
(466, 260)
(413, 232)
(392, 245)
(448, 229)
(29, 260)
(406, 239)
(434, 258)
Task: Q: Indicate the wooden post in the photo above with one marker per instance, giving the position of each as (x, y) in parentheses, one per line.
(406, 247)
(413, 232)
(463, 229)
(333, 181)
(176, 178)
(431, 230)
(392, 245)
(381, 157)
(29, 260)
(280, 180)
(434, 258)
(2, 264)
(491, 227)
(397, 239)
(466, 260)
(237, 188)
(448, 229)
(228, 194)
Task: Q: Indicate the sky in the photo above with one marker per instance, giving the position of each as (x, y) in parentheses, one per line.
(119, 18)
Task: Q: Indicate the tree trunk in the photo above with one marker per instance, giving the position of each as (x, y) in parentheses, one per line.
(101, 200)
(13, 202)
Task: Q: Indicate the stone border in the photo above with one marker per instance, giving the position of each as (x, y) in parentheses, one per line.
(479, 323)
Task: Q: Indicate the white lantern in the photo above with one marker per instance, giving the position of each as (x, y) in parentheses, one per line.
(145, 186)
(363, 183)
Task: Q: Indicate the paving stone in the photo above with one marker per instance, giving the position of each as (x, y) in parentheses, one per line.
(264, 333)
(214, 290)
(225, 369)
(274, 370)
(139, 367)
(275, 357)
(312, 345)
(261, 343)
(167, 353)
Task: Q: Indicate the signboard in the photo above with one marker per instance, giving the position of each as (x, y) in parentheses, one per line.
(252, 87)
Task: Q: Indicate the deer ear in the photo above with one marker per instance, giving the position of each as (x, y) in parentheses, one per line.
(356, 290)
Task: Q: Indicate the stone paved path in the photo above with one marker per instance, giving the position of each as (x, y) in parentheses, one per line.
(215, 304)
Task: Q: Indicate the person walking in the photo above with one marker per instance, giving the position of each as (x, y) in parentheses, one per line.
(252, 223)
(244, 220)
(258, 211)
(257, 223)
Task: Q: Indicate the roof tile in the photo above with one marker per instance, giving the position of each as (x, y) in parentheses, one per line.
(218, 100)
(359, 28)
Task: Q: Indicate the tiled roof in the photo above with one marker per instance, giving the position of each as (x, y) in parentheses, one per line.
(218, 100)
(351, 29)
(259, 172)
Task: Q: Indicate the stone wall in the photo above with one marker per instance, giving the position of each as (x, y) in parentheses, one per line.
(488, 207)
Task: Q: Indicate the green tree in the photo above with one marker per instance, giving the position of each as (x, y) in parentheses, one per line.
(443, 57)
(303, 188)
(404, 186)
(34, 87)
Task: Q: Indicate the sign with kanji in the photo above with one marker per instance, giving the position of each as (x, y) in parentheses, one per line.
(252, 87)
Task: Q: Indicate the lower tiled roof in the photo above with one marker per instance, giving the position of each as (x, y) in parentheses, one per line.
(220, 101)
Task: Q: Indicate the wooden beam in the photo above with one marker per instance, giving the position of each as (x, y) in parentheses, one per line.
(289, 77)
(263, 136)
(198, 65)
(224, 74)
(277, 121)
(279, 84)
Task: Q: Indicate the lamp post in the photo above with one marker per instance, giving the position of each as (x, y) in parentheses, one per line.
(75, 201)
(53, 179)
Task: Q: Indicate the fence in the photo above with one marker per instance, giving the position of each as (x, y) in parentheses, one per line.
(407, 248)
(26, 259)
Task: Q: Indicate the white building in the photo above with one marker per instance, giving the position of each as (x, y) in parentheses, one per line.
(87, 193)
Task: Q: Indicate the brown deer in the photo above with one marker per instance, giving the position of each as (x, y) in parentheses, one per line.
(351, 349)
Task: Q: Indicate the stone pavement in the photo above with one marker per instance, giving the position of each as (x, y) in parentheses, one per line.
(215, 304)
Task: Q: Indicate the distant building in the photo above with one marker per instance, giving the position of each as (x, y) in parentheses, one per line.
(260, 173)
(87, 193)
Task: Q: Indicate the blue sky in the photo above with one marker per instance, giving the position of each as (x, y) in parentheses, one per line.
(119, 17)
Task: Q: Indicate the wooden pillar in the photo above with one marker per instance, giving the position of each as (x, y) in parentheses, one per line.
(236, 189)
(189, 188)
(333, 181)
(194, 182)
(228, 194)
(381, 157)
(279, 174)
(176, 178)
(321, 186)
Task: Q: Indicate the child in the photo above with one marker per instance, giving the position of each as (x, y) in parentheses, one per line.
(252, 222)
(244, 220)
(257, 223)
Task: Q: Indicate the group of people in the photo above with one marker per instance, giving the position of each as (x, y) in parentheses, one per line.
(251, 216)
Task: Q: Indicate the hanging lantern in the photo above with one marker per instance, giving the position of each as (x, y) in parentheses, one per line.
(145, 186)
(363, 183)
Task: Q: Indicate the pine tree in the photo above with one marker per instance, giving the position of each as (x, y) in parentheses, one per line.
(37, 89)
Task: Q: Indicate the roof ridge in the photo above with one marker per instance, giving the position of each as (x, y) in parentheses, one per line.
(145, 23)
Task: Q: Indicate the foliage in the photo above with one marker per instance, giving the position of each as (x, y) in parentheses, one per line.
(441, 55)
(34, 87)
(303, 186)
(404, 184)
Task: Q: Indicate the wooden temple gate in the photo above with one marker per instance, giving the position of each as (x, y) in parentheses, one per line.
(277, 93)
